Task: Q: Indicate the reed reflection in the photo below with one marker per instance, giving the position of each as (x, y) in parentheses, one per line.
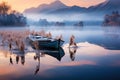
(37, 68)
(11, 61)
(17, 59)
(72, 52)
(19, 55)
(72, 47)
(37, 57)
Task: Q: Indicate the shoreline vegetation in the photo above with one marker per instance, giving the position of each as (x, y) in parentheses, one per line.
(9, 17)
(112, 19)
(45, 22)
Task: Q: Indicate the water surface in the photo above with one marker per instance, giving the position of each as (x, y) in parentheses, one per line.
(96, 58)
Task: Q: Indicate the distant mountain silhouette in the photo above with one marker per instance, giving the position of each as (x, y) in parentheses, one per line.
(46, 8)
(58, 7)
(106, 7)
(72, 9)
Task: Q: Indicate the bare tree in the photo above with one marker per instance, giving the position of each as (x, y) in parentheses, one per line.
(4, 8)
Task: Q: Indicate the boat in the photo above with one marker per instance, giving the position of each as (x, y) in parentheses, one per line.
(44, 42)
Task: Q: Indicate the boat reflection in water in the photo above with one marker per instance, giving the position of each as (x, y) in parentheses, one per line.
(56, 53)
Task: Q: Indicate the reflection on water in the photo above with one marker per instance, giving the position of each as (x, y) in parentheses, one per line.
(46, 62)
(20, 55)
(97, 57)
(72, 52)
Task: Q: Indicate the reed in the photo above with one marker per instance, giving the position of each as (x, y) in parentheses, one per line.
(17, 38)
(72, 41)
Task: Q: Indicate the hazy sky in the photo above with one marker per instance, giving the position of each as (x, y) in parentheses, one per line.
(20, 5)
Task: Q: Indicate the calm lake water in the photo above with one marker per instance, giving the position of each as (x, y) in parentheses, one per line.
(96, 58)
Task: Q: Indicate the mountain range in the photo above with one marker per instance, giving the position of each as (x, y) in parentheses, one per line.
(57, 7)
(106, 7)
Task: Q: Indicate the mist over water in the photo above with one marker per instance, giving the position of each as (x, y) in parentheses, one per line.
(65, 17)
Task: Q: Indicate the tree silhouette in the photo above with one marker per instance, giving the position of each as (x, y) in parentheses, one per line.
(10, 17)
(4, 8)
